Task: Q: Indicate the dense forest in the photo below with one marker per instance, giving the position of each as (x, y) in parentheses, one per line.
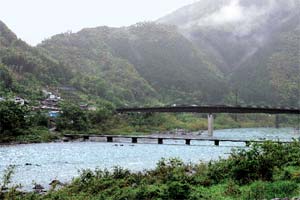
(257, 48)
(179, 59)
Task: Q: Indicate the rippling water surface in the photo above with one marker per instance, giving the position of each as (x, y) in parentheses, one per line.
(42, 163)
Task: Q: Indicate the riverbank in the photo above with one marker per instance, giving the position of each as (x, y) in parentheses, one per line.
(31, 135)
(264, 171)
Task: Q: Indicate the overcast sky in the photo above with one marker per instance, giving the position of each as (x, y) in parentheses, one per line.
(36, 20)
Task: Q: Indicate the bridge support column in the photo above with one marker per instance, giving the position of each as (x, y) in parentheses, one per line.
(134, 140)
(217, 142)
(277, 121)
(110, 139)
(188, 141)
(210, 124)
(86, 137)
(160, 141)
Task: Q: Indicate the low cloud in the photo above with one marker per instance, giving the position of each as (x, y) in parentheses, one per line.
(232, 12)
(242, 18)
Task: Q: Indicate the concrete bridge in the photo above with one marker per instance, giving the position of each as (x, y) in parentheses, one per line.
(210, 110)
(160, 139)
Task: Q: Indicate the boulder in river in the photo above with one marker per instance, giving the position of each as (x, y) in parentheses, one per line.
(55, 182)
(38, 188)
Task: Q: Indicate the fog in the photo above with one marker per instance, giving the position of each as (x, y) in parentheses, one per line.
(35, 20)
(241, 15)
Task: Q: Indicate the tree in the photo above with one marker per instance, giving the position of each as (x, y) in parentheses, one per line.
(12, 118)
(6, 81)
(73, 118)
(104, 112)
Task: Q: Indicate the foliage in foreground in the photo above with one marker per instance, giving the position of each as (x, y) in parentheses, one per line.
(270, 170)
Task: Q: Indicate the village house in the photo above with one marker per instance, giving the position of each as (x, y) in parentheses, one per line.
(51, 102)
(20, 101)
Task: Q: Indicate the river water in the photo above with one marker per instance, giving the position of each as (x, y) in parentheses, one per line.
(42, 163)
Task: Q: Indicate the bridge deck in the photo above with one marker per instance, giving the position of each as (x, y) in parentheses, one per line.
(212, 109)
(161, 138)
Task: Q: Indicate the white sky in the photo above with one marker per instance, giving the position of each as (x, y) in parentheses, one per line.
(36, 20)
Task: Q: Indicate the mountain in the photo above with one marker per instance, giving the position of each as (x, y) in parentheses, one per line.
(209, 52)
(148, 59)
(22, 58)
(253, 42)
(96, 70)
(25, 68)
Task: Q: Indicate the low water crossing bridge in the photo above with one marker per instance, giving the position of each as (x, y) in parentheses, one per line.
(210, 110)
(161, 139)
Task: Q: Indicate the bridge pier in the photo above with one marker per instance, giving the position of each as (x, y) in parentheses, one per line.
(217, 142)
(188, 141)
(160, 141)
(109, 139)
(210, 124)
(86, 137)
(134, 140)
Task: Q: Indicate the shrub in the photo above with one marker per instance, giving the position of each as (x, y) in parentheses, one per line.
(199, 193)
(257, 163)
(232, 189)
(267, 190)
(178, 190)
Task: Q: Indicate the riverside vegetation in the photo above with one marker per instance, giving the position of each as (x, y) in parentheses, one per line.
(264, 171)
(21, 124)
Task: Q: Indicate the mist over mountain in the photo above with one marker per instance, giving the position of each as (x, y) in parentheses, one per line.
(242, 38)
(233, 30)
(205, 53)
(164, 60)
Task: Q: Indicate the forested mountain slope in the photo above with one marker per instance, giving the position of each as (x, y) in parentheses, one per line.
(254, 43)
(24, 69)
(156, 61)
(205, 53)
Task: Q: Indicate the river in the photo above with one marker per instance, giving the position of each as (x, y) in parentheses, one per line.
(42, 163)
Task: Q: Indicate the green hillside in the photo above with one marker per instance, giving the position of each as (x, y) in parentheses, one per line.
(254, 43)
(188, 57)
(146, 59)
(273, 74)
(24, 69)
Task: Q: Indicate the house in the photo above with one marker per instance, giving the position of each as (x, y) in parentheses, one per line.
(51, 101)
(92, 108)
(54, 114)
(20, 101)
(84, 106)
(54, 97)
